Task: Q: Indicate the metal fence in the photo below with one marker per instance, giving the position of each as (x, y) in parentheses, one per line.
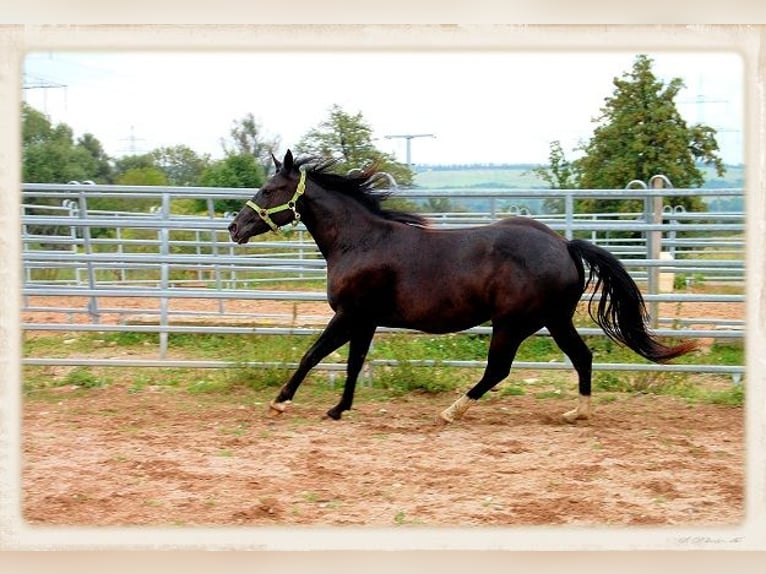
(95, 247)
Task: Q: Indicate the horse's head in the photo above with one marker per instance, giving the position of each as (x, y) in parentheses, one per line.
(274, 205)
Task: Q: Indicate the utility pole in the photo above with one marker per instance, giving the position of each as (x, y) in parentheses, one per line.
(132, 139)
(408, 138)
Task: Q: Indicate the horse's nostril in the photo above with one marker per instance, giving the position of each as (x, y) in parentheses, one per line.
(233, 228)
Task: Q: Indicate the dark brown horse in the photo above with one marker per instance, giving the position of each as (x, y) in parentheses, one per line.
(388, 268)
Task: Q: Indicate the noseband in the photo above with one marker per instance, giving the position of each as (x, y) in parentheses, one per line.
(266, 214)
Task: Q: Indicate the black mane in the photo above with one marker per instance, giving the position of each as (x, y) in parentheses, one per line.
(369, 187)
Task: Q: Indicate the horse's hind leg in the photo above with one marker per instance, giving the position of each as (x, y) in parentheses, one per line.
(569, 340)
(502, 350)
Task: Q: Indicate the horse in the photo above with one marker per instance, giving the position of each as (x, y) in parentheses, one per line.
(391, 268)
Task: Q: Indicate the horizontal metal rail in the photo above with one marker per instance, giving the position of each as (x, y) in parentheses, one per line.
(189, 293)
(162, 256)
(254, 330)
(327, 366)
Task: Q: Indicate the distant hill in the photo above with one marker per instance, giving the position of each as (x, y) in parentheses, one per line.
(520, 176)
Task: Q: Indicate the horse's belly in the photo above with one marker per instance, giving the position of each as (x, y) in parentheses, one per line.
(431, 313)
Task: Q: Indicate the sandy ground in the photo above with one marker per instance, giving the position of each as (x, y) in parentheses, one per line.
(164, 457)
(111, 457)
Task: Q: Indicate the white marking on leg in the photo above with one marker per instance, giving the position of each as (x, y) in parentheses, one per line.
(582, 412)
(457, 409)
(276, 409)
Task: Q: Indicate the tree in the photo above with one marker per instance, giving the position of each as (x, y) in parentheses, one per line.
(240, 170)
(102, 163)
(640, 133)
(181, 165)
(150, 175)
(248, 138)
(347, 139)
(560, 174)
(136, 161)
(50, 154)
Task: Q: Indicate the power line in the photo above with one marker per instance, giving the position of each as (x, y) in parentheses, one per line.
(37, 83)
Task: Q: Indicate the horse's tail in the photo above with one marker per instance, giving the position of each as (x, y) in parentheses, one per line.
(621, 311)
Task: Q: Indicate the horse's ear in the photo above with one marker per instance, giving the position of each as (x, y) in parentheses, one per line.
(287, 164)
(277, 163)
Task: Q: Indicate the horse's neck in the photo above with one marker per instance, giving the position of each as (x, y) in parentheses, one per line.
(337, 222)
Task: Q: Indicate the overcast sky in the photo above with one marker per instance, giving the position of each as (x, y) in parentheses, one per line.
(495, 107)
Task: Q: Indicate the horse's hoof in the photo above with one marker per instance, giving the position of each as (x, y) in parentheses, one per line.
(444, 419)
(334, 415)
(276, 409)
(571, 417)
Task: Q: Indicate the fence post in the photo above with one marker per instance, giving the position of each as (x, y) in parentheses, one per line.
(653, 208)
(216, 268)
(88, 247)
(569, 214)
(164, 273)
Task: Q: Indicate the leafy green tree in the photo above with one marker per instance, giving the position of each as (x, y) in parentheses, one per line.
(142, 176)
(146, 175)
(640, 133)
(240, 170)
(102, 163)
(50, 154)
(560, 174)
(181, 165)
(347, 138)
(247, 137)
(136, 161)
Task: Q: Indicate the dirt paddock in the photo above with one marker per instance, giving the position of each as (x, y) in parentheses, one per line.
(109, 456)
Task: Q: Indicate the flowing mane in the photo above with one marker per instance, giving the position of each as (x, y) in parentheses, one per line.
(369, 187)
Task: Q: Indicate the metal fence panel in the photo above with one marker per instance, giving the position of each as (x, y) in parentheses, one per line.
(153, 252)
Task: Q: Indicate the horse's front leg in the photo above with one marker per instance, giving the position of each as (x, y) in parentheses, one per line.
(335, 335)
(358, 347)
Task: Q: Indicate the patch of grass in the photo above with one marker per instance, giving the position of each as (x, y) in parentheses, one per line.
(256, 379)
(511, 391)
(733, 397)
(385, 382)
(207, 385)
(405, 378)
(611, 382)
(311, 497)
(130, 339)
(85, 378)
(554, 394)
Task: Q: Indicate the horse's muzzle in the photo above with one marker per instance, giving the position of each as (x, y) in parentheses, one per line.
(234, 233)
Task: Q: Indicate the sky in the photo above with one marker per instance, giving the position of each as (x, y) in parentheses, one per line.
(481, 106)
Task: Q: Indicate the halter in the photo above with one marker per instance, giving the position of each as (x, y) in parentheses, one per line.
(265, 214)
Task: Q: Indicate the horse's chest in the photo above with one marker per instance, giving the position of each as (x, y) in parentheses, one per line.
(359, 287)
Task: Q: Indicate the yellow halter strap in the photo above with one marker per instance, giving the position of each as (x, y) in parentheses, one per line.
(266, 214)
